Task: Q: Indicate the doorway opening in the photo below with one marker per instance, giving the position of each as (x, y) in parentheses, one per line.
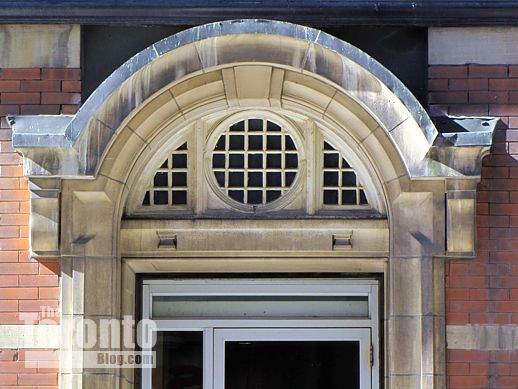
(263, 333)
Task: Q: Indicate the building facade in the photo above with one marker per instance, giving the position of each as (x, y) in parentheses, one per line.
(257, 202)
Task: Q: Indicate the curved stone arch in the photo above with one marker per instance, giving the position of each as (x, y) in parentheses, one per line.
(148, 133)
(198, 50)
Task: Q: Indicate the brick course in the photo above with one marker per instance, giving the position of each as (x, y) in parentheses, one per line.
(27, 285)
(484, 290)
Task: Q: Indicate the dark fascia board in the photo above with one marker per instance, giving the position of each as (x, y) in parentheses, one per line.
(308, 12)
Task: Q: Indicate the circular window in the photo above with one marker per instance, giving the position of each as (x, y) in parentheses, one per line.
(255, 161)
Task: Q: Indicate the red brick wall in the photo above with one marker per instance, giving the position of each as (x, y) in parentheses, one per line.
(28, 286)
(485, 290)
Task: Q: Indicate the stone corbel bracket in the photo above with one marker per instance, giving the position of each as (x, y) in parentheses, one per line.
(45, 216)
(461, 145)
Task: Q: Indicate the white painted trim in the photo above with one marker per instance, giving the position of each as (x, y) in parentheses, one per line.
(292, 334)
(30, 336)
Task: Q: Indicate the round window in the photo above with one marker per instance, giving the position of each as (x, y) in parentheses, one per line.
(255, 161)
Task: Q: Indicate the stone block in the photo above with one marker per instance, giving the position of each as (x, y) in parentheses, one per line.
(472, 45)
(405, 286)
(253, 85)
(413, 216)
(40, 46)
(100, 286)
(389, 161)
(44, 217)
(405, 345)
(119, 157)
(460, 226)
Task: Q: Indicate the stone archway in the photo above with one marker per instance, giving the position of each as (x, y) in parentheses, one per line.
(94, 160)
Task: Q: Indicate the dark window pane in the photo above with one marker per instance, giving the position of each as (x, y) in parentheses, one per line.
(179, 360)
(292, 161)
(255, 142)
(221, 143)
(220, 178)
(237, 142)
(345, 164)
(330, 178)
(237, 161)
(348, 179)
(290, 177)
(255, 179)
(179, 197)
(179, 179)
(182, 147)
(239, 126)
(273, 179)
(363, 198)
(292, 365)
(236, 195)
(160, 197)
(273, 142)
(349, 197)
(255, 197)
(218, 161)
(146, 199)
(255, 125)
(273, 161)
(236, 179)
(160, 180)
(179, 161)
(272, 195)
(331, 197)
(164, 165)
(272, 126)
(255, 161)
(331, 160)
(289, 143)
(327, 146)
(265, 151)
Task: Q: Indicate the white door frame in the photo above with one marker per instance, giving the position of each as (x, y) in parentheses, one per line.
(362, 335)
(346, 328)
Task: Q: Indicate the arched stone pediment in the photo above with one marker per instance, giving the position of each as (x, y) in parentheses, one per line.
(76, 145)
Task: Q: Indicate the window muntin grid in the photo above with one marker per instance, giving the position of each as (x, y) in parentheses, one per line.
(255, 161)
(340, 183)
(169, 186)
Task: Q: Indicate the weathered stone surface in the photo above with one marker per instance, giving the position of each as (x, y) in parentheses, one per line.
(29, 336)
(44, 232)
(482, 337)
(39, 46)
(217, 45)
(465, 45)
(460, 213)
